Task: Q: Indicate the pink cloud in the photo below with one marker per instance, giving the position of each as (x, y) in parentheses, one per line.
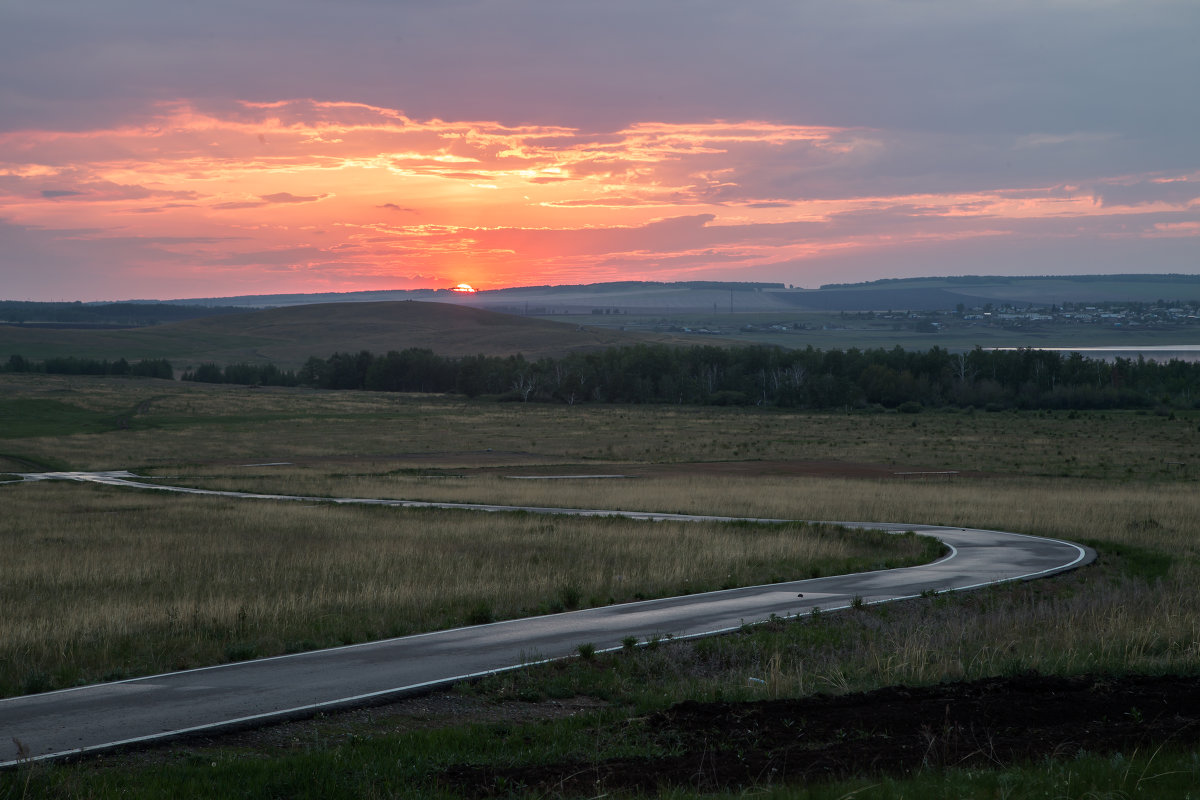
(320, 190)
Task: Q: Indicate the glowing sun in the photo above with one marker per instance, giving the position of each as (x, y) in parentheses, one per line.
(463, 287)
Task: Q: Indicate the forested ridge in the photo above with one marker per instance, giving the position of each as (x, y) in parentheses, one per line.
(751, 375)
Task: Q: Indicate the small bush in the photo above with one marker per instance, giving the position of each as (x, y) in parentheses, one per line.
(570, 596)
(481, 614)
(241, 651)
(36, 682)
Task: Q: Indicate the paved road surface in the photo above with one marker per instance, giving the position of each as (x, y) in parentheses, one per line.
(104, 716)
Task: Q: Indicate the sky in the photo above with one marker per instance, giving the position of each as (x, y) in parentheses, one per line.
(174, 149)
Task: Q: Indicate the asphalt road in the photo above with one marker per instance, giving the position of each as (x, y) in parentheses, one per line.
(229, 696)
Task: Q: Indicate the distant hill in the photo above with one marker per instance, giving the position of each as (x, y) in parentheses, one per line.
(649, 297)
(1036, 289)
(288, 336)
(131, 314)
(295, 327)
(575, 296)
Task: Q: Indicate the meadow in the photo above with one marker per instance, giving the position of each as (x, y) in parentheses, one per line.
(103, 583)
(831, 330)
(113, 423)
(1123, 482)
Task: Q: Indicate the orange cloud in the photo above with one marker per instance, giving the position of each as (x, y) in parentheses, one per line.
(318, 192)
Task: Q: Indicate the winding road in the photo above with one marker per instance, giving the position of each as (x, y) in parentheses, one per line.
(230, 696)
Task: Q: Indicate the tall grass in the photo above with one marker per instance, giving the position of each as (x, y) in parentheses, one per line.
(1136, 610)
(1157, 515)
(102, 582)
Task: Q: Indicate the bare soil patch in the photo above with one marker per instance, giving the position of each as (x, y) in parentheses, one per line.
(989, 722)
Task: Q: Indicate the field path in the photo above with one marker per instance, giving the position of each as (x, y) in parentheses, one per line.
(230, 696)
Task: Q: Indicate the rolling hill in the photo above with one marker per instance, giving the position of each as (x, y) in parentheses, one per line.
(649, 297)
(1036, 289)
(288, 336)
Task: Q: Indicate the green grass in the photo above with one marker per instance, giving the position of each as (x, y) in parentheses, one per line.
(29, 418)
(404, 765)
(1167, 773)
(1143, 563)
(828, 330)
(408, 766)
(168, 422)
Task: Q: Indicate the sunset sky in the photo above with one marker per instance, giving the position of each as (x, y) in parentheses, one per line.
(178, 149)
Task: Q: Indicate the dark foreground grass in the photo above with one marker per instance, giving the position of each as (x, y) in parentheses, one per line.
(1166, 773)
(409, 766)
(321, 761)
(830, 654)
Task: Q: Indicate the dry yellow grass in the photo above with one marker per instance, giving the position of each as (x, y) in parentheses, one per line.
(1136, 610)
(1156, 515)
(103, 582)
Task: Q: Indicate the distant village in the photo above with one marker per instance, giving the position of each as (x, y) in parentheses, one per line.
(1115, 314)
(1128, 315)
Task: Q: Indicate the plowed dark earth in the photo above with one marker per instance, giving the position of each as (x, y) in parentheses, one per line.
(894, 730)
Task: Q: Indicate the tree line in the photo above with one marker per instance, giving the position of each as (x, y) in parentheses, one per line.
(77, 314)
(708, 375)
(71, 365)
(756, 375)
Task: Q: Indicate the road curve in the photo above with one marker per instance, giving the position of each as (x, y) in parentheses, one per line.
(230, 696)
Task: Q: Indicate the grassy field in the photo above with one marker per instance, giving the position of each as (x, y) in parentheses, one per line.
(831, 330)
(1123, 482)
(115, 424)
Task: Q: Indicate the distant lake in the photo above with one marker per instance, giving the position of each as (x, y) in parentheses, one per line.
(1162, 353)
